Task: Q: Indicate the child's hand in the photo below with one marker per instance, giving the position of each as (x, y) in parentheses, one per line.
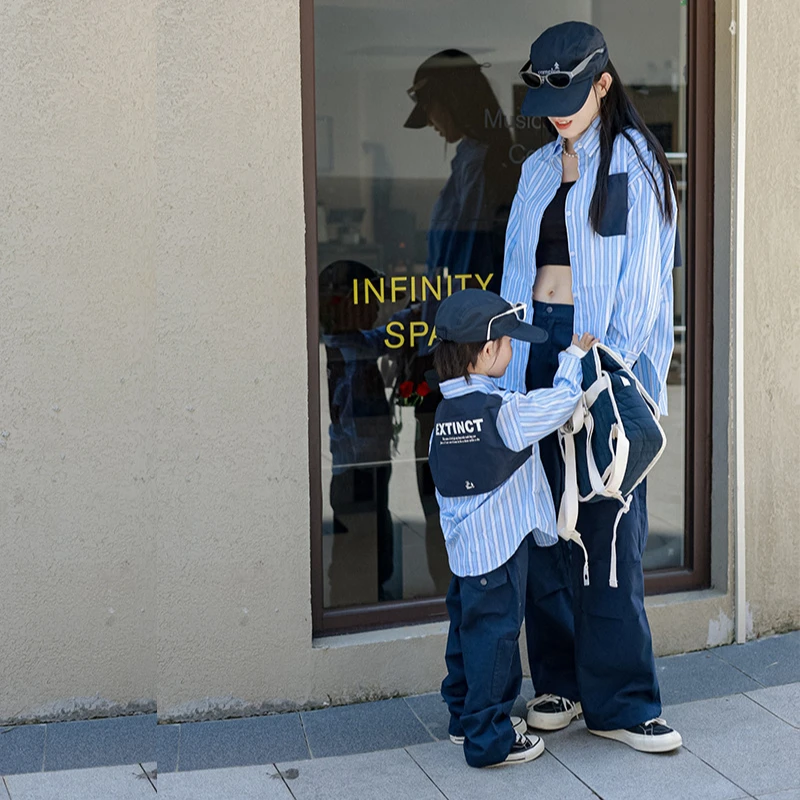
(585, 342)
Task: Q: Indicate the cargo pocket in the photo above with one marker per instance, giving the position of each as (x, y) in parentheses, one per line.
(503, 659)
(485, 595)
(491, 580)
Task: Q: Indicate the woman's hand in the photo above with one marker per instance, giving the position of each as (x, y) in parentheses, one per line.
(585, 342)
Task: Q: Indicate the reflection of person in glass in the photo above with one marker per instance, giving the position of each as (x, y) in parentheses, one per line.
(592, 235)
(360, 440)
(466, 232)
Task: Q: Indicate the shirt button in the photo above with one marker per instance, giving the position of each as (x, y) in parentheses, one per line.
(572, 253)
(484, 581)
(569, 213)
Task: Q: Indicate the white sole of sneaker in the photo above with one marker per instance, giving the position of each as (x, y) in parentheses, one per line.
(521, 758)
(553, 722)
(644, 744)
(518, 723)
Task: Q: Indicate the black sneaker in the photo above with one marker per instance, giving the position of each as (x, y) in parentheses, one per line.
(524, 749)
(653, 736)
(549, 712)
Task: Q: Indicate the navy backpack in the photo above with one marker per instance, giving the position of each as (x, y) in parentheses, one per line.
(609, 446)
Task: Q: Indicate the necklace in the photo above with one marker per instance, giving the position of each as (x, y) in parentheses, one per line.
(568, 154)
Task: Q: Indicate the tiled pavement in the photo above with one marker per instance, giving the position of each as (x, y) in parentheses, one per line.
(738, 709)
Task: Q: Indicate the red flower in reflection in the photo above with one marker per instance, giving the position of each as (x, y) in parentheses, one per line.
(423, 389)
(405, 389)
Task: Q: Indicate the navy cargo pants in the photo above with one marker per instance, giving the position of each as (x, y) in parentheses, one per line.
(484, 670)
(588, 643)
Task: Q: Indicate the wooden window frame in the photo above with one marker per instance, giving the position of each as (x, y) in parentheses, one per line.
(698, 257)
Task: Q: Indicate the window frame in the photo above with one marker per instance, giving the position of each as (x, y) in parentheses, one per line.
(698, 257)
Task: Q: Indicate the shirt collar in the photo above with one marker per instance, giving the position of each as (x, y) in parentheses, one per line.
(458, 386)
(589, 142)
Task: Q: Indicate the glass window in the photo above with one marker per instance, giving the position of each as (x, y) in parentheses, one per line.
(419, 144)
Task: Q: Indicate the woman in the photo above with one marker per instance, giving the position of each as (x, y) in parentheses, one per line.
(466, 233)
(591, 241)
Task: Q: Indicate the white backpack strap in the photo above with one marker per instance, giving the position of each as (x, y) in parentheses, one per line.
(620, 462)
(568, 510)
(612, 576)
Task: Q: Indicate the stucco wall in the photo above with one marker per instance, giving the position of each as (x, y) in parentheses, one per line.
(77, 293)
(772, 320)
(232, 442)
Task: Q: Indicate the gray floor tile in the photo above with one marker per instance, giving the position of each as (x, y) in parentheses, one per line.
(100, 742)
(617, 772)
(121, 783)
(241, 783)
(241, 742)
(432, 712)
(21, 749)
(790, 794)
(167, 743)
(362, 728)
(783, 701)
(771, 661)
(743, 741)
(527, 689)
(151, 768)
(542, 779)
(388, 775)
(699, 676)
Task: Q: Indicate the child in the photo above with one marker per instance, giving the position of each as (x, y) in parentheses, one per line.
(493, 497)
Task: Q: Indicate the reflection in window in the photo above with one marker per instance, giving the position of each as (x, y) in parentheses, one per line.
(419, 149)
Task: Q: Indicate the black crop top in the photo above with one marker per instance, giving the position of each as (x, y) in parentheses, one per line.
(553, 247)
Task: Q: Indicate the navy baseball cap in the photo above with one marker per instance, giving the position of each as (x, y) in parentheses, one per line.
(475, 315)
(571, 53)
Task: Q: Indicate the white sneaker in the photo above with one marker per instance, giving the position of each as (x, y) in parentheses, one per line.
(524, 749)
(519, 725)
(653, 736)
(549, 712)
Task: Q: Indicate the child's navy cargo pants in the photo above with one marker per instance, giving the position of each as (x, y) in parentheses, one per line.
(484, 671)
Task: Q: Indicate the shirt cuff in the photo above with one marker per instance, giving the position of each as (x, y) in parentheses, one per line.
(576, 351)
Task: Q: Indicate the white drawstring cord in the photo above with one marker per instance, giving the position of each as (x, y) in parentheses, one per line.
(626, 505)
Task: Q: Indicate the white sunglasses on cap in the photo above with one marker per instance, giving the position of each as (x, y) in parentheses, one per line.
(557, 78)
(515, 309)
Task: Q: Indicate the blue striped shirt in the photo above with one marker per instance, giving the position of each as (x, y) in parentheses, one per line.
(622, 280)
(483, 531)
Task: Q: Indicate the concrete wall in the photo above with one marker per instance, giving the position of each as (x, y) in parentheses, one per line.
(77, 296)
(772, 316)
(136, 411)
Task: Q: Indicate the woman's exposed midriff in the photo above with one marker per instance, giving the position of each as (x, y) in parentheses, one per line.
(553, 284)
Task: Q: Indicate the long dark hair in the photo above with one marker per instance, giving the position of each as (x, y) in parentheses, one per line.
(617, 116)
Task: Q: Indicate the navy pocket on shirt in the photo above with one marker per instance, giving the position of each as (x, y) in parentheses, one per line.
(615, 215)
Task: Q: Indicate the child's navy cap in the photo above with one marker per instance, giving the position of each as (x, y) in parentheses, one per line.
(475, 315)
(560, 49)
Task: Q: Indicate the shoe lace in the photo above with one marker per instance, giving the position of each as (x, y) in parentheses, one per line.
(549, 698)
(654, 721)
